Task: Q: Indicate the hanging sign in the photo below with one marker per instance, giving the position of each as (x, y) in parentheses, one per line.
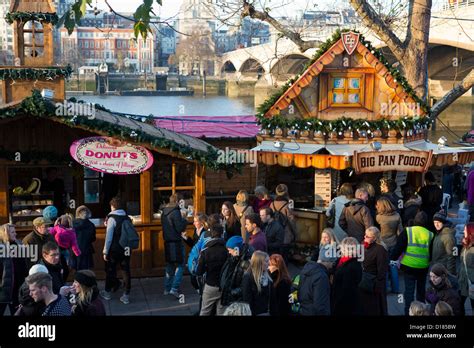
(350, 41)
(382, 161)
(109, 155)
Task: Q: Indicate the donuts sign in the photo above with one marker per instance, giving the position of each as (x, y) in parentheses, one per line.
(112, 156)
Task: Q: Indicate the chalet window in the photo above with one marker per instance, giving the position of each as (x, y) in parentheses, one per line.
(33, 36)
(92, 185)
(173, 176)
(346, 90)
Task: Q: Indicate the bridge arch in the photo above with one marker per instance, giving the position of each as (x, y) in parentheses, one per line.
(251, 67)
(228, 67)
(289, 64)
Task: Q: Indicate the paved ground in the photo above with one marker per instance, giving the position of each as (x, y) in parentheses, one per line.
(147, 298)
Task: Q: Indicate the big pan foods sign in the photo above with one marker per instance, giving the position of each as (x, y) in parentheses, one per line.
(108, 155)
(380, 161)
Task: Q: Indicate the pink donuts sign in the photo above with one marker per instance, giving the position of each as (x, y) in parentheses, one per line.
(112, 156)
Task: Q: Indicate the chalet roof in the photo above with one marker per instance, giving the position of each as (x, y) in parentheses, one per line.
(44, 6)
(106, 122)
(402, 90)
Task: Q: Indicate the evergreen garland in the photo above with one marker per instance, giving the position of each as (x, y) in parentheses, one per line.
(31, 16)
(37, 106)
(49, 73)
(315, 124)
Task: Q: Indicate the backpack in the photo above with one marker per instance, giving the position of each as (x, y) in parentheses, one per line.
(129, 237)
(193, 257)
(285, 222)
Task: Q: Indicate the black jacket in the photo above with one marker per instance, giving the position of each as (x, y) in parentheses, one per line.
(232, 275)
(86, 236)
(211, 261)
(232, 230)
(56, 272)
(7, 275)
(431, 198)
(345, 287)
(445, 293)
(275, 234)
(355, 219)
(94, 309)
(411, 208)
(173, 224)
(376, 260)
(35, 238)
(194, 239)
(29, 307)
(259, 302)
(280, 297)
(314, 290)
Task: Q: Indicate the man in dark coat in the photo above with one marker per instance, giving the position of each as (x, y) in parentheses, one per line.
(173, 225)
(273, 230)
(212, 259)
(6, 283)
(431, 198)
(86, 236)
(314, 289)
(355, 217)
(39, 236)
(51, 259)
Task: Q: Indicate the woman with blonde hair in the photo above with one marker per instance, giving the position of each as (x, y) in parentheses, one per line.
(418, 309)
(373, 286)
(327, 246)
(86, 295)
(443, 309)
(243, 208)
(86, 236)
(257, 284)
(391, 226)
(13, 270)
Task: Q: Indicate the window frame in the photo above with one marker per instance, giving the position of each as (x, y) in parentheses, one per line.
(346, 76)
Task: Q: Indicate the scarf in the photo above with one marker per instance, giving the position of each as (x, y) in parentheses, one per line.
(343, 260)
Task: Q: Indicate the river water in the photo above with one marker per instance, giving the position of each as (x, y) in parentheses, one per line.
(208, 106)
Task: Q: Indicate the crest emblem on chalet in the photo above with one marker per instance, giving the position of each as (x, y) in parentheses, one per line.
(350, 41)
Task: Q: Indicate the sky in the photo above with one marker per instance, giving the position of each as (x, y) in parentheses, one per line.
(170, 8)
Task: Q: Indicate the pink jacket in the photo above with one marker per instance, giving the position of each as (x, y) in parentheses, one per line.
(66, 238)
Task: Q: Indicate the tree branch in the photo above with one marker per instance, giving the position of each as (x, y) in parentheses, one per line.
(250, 11)
(452, 95)
(373, 21)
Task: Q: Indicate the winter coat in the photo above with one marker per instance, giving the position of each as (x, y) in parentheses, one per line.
(446, 293)
(34, 238)
(260, 204)
(56, 272)
(173, 224)
(94, 309)
(259, 302)
(390, 227)
(314, 290)
(7, 275)
(355, 219)
(431, 199)
(232, 230)
(29, 307)
(211, 261)
(467, 255)
(242, 211)
(113, 232)
(375, 262)
(65, 238)
(410, 209)
(443, 248)
(275, 235)
(232, 276)
(336, 206)
(258, 241)
(345, 299)
(280, 297)
(281, 205)
(86, 236)
(393, 198)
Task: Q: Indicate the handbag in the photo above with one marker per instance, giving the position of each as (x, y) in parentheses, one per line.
(470, 285)
(367, 283)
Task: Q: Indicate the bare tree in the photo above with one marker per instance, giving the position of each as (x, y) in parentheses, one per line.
(196, 51)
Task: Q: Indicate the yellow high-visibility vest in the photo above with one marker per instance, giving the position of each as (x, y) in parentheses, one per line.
(417, 254)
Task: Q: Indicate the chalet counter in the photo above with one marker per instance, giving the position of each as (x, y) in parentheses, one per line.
(309, 224)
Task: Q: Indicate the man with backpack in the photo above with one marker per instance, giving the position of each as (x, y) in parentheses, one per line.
(173, 225)
(114, 253)
(273, 230)
(284, 215)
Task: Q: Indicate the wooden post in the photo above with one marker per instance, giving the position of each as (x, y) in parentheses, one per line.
(146, 199)
(200, 189)
(3, 194)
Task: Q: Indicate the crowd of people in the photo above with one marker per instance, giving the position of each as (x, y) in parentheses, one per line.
(238, 258)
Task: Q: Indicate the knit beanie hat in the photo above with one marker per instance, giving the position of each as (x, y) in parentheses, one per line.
(50, 212)
(85, 279)
(440, 217)
(235, 242)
